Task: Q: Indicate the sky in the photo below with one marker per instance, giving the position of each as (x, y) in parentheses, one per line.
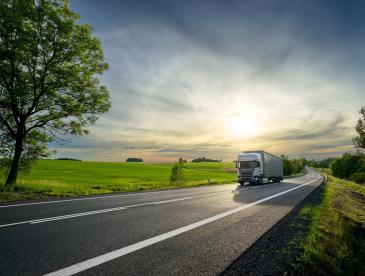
(213, 78)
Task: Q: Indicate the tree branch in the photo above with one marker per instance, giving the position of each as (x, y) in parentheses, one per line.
(6, 124)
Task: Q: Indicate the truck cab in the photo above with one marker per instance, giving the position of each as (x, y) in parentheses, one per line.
(257, 167)
(249, 168)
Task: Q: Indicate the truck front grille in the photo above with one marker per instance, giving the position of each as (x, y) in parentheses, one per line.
(246, 174)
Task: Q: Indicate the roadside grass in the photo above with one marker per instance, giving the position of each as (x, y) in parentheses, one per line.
(71, 178)
(335, 244)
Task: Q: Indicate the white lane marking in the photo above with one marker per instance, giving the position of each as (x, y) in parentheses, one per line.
(100, 197)
(82, 266)
(78, 215)
(123, 207)
(103, 197)
(35, 221)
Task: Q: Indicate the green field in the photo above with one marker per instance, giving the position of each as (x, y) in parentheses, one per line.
(67, 178)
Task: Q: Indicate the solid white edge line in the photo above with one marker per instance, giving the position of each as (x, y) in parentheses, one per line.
(108, 196)
(84, 265)
(102, 197)
(94, 212)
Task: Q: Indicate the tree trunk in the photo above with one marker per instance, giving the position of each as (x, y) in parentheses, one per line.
(13, 173)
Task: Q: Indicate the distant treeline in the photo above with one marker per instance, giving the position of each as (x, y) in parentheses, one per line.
(203, 159)
(134, 159)
(67, 158)
(325, 163)
(297, 165)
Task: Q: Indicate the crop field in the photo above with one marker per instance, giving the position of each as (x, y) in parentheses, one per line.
(67, 178)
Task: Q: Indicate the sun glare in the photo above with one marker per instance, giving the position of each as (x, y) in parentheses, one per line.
(244, 124)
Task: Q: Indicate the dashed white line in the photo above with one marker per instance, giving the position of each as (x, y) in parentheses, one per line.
(82, 266)
(77, 215)
(99, 197)
(35, 221)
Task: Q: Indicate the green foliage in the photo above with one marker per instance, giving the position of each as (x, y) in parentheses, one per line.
(203, 159)
(35, 146)
(358, 178)
(49, 62)
(176, 175)
(287, 168)
(324, 163)
(48, 70)
(298, 165)
(293, 166)
(134, 159)
(360, 129)
(348, 164)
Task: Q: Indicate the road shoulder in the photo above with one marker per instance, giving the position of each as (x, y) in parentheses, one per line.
(275, 252)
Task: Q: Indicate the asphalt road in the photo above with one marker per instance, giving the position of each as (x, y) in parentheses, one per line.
(174, 232)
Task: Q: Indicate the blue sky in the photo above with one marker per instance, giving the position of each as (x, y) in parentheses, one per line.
(212, 78)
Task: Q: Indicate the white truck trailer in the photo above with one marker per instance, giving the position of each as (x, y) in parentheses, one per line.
(258, 167)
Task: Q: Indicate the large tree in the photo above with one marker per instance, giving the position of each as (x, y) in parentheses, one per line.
(360, 128)
(49, 68)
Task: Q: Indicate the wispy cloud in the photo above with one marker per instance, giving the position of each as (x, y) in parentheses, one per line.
(185, 76)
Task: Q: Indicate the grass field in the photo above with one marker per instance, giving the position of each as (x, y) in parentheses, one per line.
(335, 244)
(68, 178)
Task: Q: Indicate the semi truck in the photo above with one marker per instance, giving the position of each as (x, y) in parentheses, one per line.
(258, 167)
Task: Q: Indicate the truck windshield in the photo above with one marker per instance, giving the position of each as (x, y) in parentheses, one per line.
(248, 164)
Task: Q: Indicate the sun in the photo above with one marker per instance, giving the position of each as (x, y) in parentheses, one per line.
(244, 124)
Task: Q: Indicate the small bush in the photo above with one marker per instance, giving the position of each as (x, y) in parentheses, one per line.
(359, 178)
(177, 172)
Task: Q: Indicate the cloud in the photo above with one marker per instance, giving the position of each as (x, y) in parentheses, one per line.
(182, 72)
(163, 102)
(313, 130)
